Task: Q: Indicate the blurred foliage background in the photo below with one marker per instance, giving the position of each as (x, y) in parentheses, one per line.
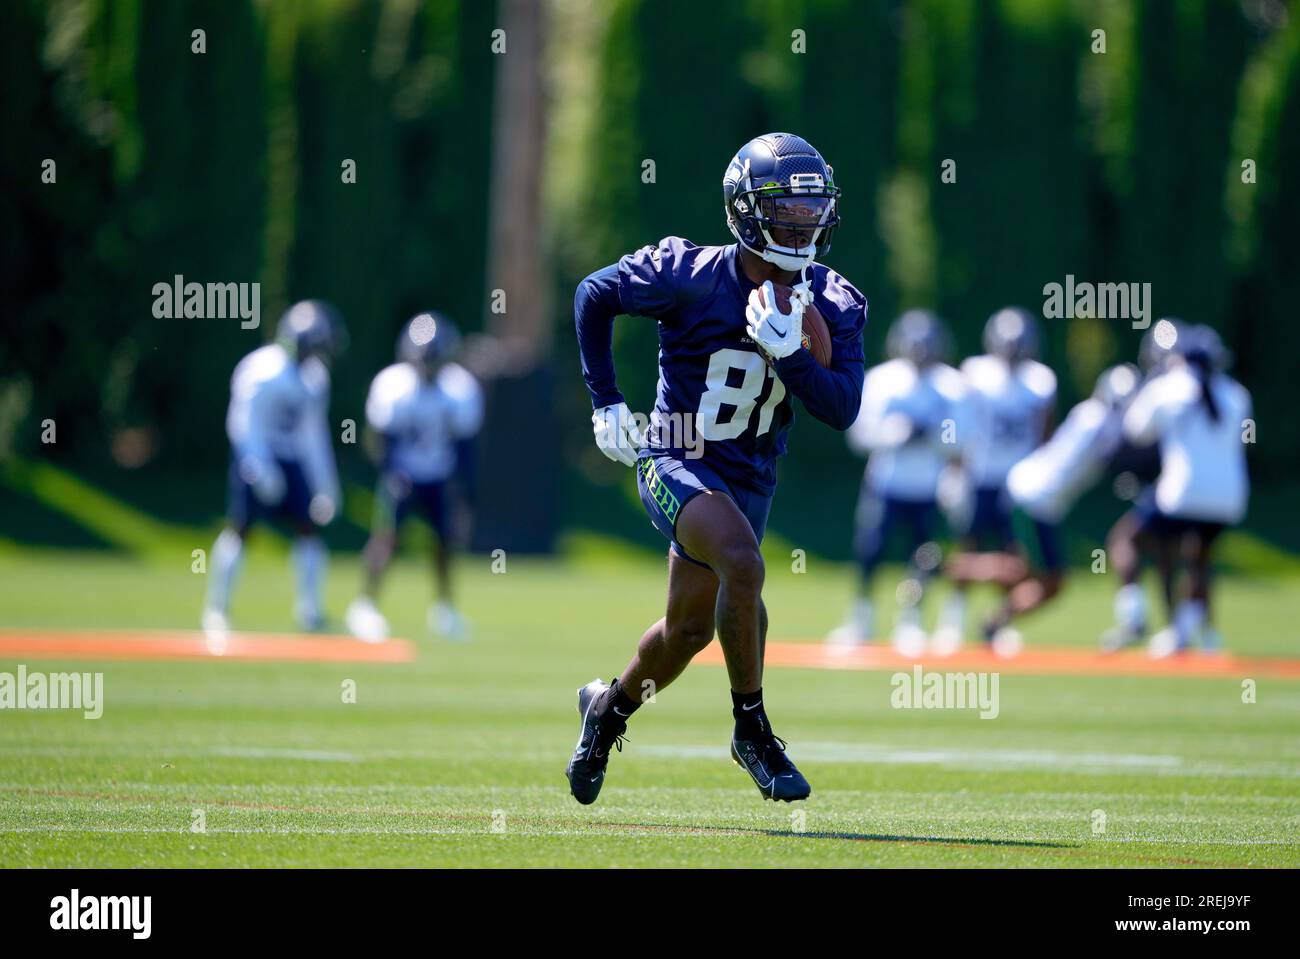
(224, 166)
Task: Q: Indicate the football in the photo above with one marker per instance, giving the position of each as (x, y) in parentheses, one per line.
(816, 335)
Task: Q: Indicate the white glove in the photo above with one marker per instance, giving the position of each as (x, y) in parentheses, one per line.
(778, 334)
(323, 508)
(617, 434)
(265, 478)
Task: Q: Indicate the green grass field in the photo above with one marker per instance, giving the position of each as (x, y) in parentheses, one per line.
(457, 759)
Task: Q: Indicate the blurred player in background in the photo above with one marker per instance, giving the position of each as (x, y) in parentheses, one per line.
(1196, 413)
(730, 363)
(422, 414)
(1128, 543)
(907, 428)
(1006, 414)
(1044, 486)
(282, 458)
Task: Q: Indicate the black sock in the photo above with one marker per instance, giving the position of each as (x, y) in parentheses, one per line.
(620, 702)
(747, 708)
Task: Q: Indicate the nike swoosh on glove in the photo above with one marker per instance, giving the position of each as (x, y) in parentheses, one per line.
(777, 334)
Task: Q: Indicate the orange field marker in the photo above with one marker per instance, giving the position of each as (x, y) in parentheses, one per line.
(193, 644)
(1056, 661)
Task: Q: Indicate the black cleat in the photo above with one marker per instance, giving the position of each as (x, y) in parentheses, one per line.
(586, 769)
(773, 773)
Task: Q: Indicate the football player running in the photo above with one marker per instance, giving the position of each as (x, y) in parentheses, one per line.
(728, 365)
(907, 428)
(1007, 413)
(1128, 542)
(282, 463)
(1196, 412)
(421, 415)
(1044, 486)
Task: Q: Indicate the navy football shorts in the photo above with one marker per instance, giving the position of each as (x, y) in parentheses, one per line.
(1153, 522)
(990, 521)
(246, 509)
(1044, 546)
(666, 484)
(396, 495)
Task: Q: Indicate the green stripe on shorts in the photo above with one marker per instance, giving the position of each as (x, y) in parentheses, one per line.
(664, 498)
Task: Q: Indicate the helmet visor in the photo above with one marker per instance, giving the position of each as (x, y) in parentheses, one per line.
(796, 212)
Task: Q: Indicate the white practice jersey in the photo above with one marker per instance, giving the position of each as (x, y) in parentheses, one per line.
(423, 420)
(279, 410)
(1050, 480)
(1202, 461)
(1003, 416)
(896, 397)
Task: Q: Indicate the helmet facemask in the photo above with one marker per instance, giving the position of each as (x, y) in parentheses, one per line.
(788, 226)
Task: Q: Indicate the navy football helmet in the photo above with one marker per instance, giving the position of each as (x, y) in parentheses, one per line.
(1202, 345)
(919, 336)
(426, 341)
(312, 328)
(781, 200)
(1012, 333)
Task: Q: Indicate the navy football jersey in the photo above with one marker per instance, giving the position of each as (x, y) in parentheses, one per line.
(714, 383)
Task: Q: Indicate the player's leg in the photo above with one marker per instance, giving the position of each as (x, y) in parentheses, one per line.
(364, 620)
(308, 552)
(908, 638)
(228, 554)
(724, 531)
(1192, 615)
(1124, 554)
(685, 629)
(712, 528)
(871, 526)
(664, 651)
(444, 619)
(987, 518)
(1200, 583)
(1043, 580)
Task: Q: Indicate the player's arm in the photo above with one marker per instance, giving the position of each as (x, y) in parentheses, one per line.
(832, 394)
(595, 305)
(467, 414)
(377, 439)
(1142, 420)
(248, 425)
(318, 456)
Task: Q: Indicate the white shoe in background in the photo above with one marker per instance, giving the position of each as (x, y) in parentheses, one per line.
(908, 639)
(366, 622)
(214, 621)
(1164, 644)
(444, 621)
(845, 637)
(945, 641)
(1007, 642)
